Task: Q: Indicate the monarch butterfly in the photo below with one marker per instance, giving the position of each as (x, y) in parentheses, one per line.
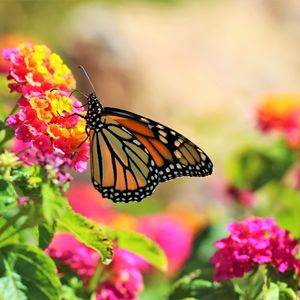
(131, 154)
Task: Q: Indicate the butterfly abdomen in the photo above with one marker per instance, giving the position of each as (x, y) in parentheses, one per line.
(94, 112)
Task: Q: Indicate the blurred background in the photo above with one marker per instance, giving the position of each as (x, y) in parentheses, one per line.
(198, 66)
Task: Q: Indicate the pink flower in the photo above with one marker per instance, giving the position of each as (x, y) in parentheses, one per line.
(124, 259)
(171, 235)
(244, 197)
(85, 200)
(77, 256)
(23, 200)
(254, 241)
(124, 284)
(123, 278)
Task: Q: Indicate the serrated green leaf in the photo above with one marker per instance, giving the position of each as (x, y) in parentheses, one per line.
(8, 194)
(53, 204)
(87, 232)
(34, 270)
(143, 246)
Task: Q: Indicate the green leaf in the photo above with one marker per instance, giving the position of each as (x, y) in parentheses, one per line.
(9, 133)
(53, 204)
(143, 246)
(271, 291)
(255, 166)
(286, 282)
(192, 286)
(30, 271)
(7, 235)
(8, 195)
(69, 294)
(87, 232)
(27, 179)
(45, 234)
(12, 288)
(74, 289)
(287, 208)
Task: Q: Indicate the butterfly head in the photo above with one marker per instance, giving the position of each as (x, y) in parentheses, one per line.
(94, 110)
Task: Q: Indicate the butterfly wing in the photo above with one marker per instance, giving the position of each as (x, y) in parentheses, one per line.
(173, 154)
(121, 166)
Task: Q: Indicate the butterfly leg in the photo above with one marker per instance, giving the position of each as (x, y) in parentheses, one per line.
(87, 136)
(75, 114)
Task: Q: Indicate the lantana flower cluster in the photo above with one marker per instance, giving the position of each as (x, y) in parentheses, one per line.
(46, 123)
(254, 241)
(281, 112)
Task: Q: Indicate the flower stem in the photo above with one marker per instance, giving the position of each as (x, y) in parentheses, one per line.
(94, 281)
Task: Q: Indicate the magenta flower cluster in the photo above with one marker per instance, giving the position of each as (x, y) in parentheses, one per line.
(123, 278)
(252, 242)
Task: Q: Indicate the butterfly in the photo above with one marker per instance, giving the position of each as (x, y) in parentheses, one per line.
(131, 154)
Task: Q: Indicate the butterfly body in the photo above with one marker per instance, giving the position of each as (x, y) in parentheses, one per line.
(131, 154)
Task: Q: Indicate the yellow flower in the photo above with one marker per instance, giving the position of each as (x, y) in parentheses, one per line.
(61, 104)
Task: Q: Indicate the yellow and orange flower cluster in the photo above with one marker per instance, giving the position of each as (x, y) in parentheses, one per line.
(35, 69)
(47, 119)
(281, 112)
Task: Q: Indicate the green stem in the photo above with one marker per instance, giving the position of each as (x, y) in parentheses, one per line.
(94, 281)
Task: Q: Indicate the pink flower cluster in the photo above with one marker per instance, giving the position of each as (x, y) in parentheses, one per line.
(254, 241)
(45, 123)
(77, 256)
(124, 279)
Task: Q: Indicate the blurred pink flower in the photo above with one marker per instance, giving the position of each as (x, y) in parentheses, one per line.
(254, 241)
(281, 112)
(123, 277)
(85, 200)
(65, 248)
(124, 259)
(171, 235)
(244, 197)
(23, 200)
(123, 284)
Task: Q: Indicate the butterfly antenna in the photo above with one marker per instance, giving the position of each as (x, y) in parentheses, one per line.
(88, 77)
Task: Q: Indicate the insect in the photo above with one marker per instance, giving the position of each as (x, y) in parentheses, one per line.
(131, 154)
